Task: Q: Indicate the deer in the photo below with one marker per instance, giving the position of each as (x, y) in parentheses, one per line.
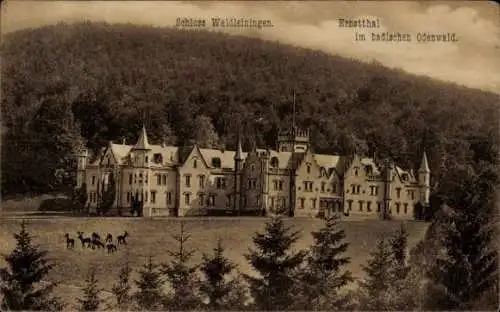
(84, 240)
(121, 238)
(98, 243)
(111, 247)
(70, 243)
(109, 238)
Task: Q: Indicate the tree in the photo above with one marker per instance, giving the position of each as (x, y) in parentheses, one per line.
(375, 286)
(181, 277)
(122, 288)
(80, 197)
(221, 293)
(108, 195)
(205, 135)
(276, 265)
(324, 275)
(21, 282)
(399, 243)
(467, 267)
(91, 300)
(149, 294)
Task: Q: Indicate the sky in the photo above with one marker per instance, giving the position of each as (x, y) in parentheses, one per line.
(473, 61)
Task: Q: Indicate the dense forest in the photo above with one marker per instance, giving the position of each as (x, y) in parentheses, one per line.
(68, 85)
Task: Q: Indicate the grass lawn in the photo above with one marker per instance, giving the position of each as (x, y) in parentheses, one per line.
(154, 237)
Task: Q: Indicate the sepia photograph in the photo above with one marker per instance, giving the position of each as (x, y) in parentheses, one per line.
(249, 155)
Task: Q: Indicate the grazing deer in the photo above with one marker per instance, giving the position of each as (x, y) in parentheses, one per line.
(121, 238)
(70, 243)
(97, 243)
(109, 238)
(95, 236)
(84, 240)
(111, 247)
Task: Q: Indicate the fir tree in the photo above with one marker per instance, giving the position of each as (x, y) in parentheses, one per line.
(324, 274)
(276, 265)
(399, 244)
(468, 265)
(20, 285)
(221, 293)
(149, 295)
(91, 291)
(181, 277)
(375, 286)
(122, 288)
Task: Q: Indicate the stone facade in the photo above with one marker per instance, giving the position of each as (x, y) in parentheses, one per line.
(182, 181)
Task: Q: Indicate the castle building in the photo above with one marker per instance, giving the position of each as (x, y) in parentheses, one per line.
(292, 180)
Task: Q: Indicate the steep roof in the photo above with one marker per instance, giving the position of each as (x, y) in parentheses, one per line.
(142, 142)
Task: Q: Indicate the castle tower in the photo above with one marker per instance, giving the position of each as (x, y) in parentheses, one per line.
(141, 164)
(238, 167)
(264, 159)
(388, 173)
(424, 174)
(81, 166)
(294, 139)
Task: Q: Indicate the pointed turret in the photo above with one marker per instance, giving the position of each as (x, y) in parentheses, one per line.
(142, 142)
(424, 165)
(239, 150)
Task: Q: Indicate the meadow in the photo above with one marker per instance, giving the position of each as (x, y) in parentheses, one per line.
(154, 237)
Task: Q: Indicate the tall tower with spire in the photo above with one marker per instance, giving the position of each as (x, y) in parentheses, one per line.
(141, 161)
(424, 174)
(293, 139)
(238, 167)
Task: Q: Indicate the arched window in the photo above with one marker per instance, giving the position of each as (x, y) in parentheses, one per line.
(274, 162)
(216, 162)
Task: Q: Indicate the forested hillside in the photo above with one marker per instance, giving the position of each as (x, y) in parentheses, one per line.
(68, 85)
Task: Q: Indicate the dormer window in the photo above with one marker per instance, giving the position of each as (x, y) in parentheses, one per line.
(356, 171)
(216, 163)
(158, 158)
(195, 164)
(274, 162)
(368, 169)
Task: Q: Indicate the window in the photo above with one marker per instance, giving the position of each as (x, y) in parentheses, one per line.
(128, 197)
(398, 192)
(188, 180)
(372, 190)
(140, 178)
(93, 180)
(158, 158)
(360, 205)
(353, 189)
(146, 178)
(272, 202)
(186, 199)
(211, 200)
(200, 199)
(146, 196)
(195, 164)
(158, 180)
(216, 162)
(378, 206)
(252, 167)
(334, 187)
(278, 185)
(349, 204)
(376, 190)
(313, 203)
(202, 181)
(356, 172)
(368, 206)
(308, 186)
(308, 168)
(322, 187)
(411, 194)
(146, 159)
(274, 162)
(130, 178)
(358, 187)
(220, 183)
(135, 178)
(397, 208)
(406, 208)
(302, 200)
(254, 183)
(153, 196)
(164, 178)
(169, 198)
(228, 201)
